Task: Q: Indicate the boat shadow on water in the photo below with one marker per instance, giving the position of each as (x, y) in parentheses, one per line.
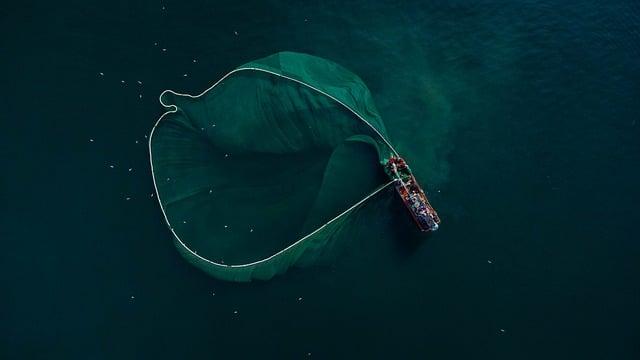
(406, 237)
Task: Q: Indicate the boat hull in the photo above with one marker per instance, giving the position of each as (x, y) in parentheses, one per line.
(412, 195)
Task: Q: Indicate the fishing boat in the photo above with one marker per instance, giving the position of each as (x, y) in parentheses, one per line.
(412, 195)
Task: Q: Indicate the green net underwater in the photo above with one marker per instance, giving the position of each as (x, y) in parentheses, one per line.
(262, 170)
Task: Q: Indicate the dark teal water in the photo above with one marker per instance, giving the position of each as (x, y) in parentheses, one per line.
(520, 117)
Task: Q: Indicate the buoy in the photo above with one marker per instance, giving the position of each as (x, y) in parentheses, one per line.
(101, 74)
(236, 33)
(90, 140)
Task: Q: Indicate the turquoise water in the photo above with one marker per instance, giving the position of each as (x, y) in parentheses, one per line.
(520, 118)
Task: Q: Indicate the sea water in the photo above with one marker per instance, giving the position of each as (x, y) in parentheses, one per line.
(519, 118)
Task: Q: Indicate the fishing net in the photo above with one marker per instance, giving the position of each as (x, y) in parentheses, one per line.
(262, 170)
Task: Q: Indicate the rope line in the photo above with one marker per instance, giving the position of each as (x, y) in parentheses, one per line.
(174, 109)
